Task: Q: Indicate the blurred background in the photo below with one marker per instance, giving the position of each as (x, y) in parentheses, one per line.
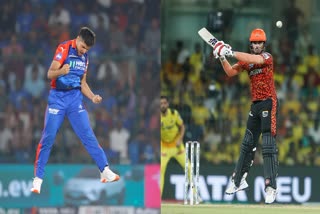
(214, 107)
(124, 69)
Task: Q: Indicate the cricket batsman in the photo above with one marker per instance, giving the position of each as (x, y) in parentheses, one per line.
(262, 117)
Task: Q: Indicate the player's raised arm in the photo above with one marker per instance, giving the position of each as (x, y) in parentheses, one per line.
(230, 70)
(248, 58)
(56, 70)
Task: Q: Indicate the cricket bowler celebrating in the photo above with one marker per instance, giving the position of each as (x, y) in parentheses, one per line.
(68, 73)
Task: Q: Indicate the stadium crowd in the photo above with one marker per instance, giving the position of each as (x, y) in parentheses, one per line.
(214, 106)
(124, 69)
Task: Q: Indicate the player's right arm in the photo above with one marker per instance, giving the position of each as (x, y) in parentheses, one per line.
(230, 70)
(248, 58)
(56, 69)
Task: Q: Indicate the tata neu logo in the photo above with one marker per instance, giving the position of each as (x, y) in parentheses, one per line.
(212, 188)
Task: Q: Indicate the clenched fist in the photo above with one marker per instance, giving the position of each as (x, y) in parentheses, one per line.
(65, 69)
(222, 49)
(96, 99)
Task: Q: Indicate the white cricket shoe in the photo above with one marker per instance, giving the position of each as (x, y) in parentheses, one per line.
(270, 195)
(108, 176)
(232, 188)
(36, 185)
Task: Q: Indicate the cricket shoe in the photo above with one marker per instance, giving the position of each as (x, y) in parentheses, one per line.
(232, 188)
(108, 176)
(271, 195)
(36, 185)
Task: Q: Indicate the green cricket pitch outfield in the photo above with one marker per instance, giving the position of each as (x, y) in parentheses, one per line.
(167, 208)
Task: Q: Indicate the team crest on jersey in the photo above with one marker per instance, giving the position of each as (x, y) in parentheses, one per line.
(265, 114)
(59, 56)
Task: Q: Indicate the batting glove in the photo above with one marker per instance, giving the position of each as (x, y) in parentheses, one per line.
(222, 49)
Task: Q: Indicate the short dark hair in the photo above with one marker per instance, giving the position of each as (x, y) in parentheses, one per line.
(164, 97)
(88, 36)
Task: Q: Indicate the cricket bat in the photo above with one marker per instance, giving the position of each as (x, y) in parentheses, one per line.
(207, 37)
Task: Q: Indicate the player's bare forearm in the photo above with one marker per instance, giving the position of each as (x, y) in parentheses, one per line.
(85, 89)
(230, 70)
(56, 70)
(248, 58)
(54, 74)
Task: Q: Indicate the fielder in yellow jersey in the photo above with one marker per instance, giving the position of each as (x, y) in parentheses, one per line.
(172, 132)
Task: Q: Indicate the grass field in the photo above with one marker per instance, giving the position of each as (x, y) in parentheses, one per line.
(167, 208)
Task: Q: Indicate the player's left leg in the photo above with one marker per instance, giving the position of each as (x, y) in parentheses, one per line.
(79, 120)
(54, 116)
(247, 153)
(269, 148)
(179, 155)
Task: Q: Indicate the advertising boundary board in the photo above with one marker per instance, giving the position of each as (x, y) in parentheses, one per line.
(296, 185)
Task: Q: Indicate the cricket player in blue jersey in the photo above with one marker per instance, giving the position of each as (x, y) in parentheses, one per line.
(68, 73)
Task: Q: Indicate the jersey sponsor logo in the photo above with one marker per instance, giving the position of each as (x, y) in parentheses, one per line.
(76, 64)
(53, 111)
(58, 56)
(255, 72)
(265, 113)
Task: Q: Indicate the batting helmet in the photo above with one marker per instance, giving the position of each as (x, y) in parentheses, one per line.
(258, 35)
